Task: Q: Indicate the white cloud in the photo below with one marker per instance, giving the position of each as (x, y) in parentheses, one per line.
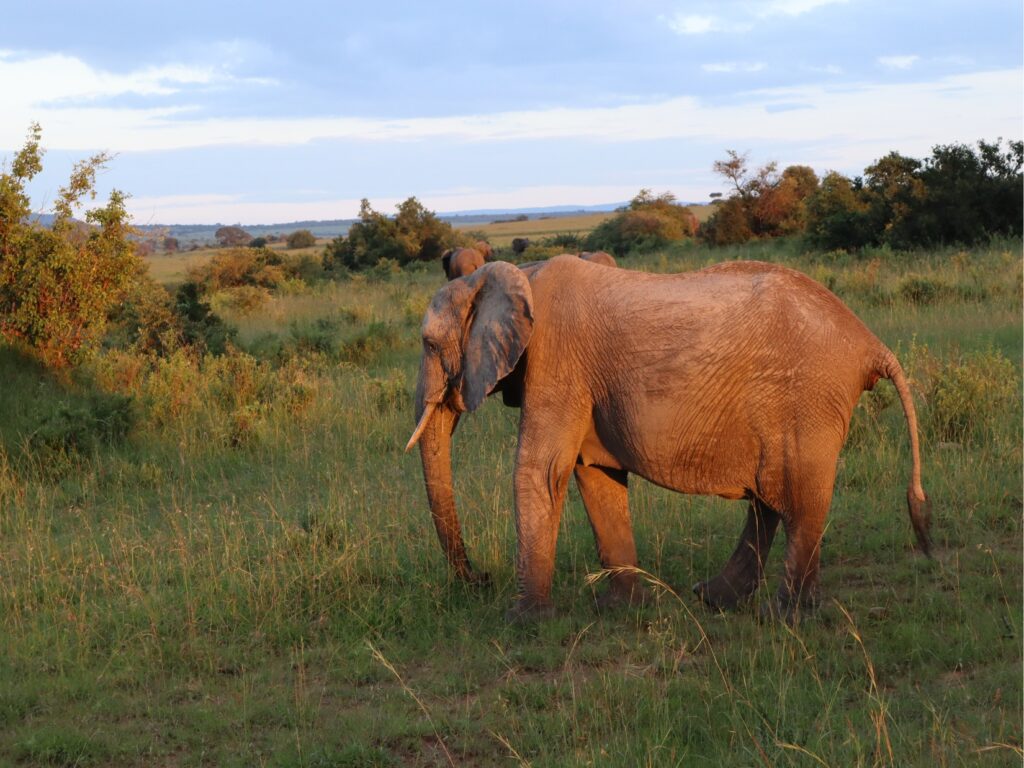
(31, 82)
(962, 106)
(898, 62)
(733, 66)
(686, 24)
(793, 7)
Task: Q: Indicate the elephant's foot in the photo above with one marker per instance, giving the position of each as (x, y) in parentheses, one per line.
(529, 611)
(723, 595)
(622, 594)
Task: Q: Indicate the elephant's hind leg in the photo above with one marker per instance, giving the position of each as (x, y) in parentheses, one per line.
(742, 574)
(605, 497)
(808, 502)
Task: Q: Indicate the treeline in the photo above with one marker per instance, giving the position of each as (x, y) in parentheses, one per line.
(959, 194)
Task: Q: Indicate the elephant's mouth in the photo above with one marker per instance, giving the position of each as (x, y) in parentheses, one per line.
(452, 399)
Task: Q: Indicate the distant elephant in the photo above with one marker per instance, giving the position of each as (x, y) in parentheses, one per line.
(599, 257)
(520, 244)
(459, 262)
(738, 381)
(485, 248)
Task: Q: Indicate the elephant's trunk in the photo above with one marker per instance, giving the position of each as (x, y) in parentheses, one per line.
(435, 452)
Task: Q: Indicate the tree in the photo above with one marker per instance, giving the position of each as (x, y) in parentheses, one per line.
(649, 221)
(232, 236)
(413, 234)
(837, 215)
(57, 286)
(171, 245)
(301, 238)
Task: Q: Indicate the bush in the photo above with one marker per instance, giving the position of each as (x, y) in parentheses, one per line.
(200, 327)
(968, 398)
(232, 236)
(100, 419)
(301, 238)
(729, 225)
(647, 224)
(58, 285)
(413, 234)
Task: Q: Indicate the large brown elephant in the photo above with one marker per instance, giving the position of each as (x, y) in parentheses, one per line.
(738, 380)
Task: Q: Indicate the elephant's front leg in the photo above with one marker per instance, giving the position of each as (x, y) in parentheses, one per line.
(742, 574)
(605, 496)
(540, 484)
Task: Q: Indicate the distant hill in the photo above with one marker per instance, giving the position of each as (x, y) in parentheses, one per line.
(204, 233)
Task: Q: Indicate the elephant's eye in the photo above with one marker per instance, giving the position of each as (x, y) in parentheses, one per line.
(432, 346)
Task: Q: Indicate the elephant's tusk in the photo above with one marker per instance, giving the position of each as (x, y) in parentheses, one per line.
(427, 413)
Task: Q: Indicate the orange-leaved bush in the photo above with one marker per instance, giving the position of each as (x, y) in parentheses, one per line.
(59, 283)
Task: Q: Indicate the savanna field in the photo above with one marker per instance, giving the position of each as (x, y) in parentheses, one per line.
(229, 560)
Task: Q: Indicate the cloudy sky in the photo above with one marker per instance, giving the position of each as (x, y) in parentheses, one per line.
(262, 113)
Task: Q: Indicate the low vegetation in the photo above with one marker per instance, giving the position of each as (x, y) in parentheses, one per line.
(214, 550)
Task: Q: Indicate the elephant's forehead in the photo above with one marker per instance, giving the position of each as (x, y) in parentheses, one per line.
(441, 313)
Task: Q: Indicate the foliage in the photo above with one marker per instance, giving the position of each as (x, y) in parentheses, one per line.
(58, 285)
(969, 397)
(414, 233)
(232, 236)
(201, 328)
(957, 195)
(301, 238)
(730, 224)
(763, 203)
(242, 266)
(648, 223)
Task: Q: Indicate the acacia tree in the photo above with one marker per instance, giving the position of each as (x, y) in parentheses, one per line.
(232, 236)
(58, 284)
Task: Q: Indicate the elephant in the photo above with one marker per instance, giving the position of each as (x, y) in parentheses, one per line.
(738, 380)
(520, 244)
(459, 262)
(599, 257)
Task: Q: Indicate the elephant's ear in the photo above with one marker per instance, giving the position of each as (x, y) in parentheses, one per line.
(500, 326)
(446, 260)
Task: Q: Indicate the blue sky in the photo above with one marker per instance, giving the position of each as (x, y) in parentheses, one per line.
(261, 113)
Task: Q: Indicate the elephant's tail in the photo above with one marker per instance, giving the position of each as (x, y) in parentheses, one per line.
(917, 501)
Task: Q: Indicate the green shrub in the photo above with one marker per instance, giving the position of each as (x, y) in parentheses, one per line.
(969, 397)
(566, 241)
(101, 419)
(241, 266)
(301, 238)
(650, 222)
(915, 289)
(414, 233)
(200, 327)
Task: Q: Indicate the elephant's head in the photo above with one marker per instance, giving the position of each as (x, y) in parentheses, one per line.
(474, 332)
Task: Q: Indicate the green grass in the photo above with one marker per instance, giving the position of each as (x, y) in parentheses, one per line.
(251, 575)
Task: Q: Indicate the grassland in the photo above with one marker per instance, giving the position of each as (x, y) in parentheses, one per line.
(250, 576)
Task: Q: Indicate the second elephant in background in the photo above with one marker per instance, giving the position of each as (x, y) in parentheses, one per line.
(599, 257)
(459, 262)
